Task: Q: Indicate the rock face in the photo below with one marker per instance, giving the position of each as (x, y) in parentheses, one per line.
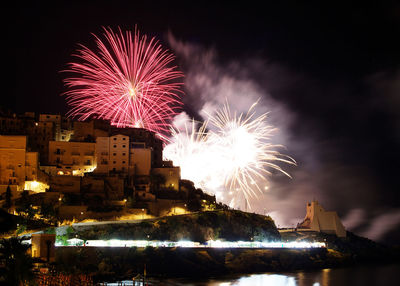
(230, 225)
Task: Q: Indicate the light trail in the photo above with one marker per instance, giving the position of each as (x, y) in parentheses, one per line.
(229, 155)
(127, 79)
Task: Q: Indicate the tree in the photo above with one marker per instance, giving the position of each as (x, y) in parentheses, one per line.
(24, 202)
(156, 180)
(7, 203)
(16, 266)
(47, 211)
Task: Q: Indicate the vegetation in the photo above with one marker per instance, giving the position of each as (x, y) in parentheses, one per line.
(7, 203)
(223, 224)
(16, 266)
(9, 224)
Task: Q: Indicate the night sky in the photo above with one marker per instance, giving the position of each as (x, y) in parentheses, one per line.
(329, 75)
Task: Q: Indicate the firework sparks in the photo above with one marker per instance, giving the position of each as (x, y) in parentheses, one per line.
(234, 160)
(128, 80)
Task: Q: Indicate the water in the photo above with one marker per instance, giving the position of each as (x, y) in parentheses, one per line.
(366, 275)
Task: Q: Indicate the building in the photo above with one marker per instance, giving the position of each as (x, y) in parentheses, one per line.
(72, 158)
(171, 174)
(317, 219)
(112, 154)
(43, 246)
(90, 130)
(12, 160)
(146, 138)
(139, 159)
(119, 153)
(17, 165)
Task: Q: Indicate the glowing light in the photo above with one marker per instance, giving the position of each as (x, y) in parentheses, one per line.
(233, 159)
(35, 186)
(128, 80)
(193, 244)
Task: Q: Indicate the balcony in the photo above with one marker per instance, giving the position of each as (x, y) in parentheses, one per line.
(89, 153)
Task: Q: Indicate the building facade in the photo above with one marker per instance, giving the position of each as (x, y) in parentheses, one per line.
(112, 154)
(171, 174)
(16, 164)
(72, 158)
(317, 219)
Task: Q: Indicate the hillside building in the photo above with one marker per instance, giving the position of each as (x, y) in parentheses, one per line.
(317, 219)
(17, 165)
(72, 158)
(112, 154)
(171, 174)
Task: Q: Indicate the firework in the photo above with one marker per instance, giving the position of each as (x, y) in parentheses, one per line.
(127, 80)
(233, 160)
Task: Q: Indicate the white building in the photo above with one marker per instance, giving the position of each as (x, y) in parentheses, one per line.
(112, 154)
(317, 219)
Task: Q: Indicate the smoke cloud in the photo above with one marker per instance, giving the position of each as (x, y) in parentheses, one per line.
(323, 172)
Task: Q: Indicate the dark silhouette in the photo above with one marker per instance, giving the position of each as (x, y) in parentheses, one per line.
(15, 264)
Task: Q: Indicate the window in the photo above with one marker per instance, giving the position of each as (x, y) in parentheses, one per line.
(114, 154)
(123, 146)
(115, 146)
(123, 138)
(123, 162)
(115, 139)
(123, 154)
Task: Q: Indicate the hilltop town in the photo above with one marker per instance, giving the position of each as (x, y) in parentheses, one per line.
(58, 169)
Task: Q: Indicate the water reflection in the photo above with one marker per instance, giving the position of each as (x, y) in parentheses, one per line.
(374, 275)
(263, 279)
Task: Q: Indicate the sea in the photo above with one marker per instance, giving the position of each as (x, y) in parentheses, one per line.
(362, 275)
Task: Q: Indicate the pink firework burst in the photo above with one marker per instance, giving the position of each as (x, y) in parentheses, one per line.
(127, 80)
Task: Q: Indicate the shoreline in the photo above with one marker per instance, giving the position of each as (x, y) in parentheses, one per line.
(117, 264)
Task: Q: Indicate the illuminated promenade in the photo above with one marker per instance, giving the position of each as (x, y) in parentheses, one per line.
(191, 244)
